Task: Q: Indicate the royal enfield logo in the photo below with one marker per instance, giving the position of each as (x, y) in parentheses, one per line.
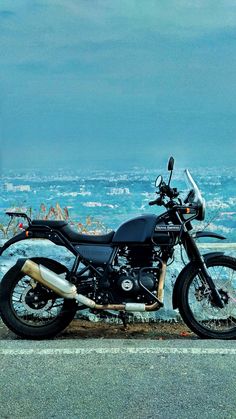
(168, 228)
(127, 285)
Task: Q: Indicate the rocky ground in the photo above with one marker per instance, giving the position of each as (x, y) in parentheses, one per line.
(84, 329)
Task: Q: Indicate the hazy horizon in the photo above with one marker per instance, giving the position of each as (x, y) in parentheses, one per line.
(118, 168)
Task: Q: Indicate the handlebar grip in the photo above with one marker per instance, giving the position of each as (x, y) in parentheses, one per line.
(153, 202)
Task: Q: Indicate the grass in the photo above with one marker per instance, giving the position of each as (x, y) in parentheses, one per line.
(14, 226)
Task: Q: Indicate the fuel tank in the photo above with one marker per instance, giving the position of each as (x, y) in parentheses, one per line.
(137, 230)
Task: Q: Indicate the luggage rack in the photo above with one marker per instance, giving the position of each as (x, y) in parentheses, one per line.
(13, 214)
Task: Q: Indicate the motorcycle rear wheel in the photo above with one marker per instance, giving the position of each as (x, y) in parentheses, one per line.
(30, 310)
(195, 302)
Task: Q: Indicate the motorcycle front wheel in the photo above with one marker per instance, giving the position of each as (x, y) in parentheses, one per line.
(29, 309)
(196, 305)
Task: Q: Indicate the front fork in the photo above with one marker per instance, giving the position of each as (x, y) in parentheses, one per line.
(195, 256)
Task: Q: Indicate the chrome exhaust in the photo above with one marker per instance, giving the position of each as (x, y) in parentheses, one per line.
(55, 282)
(66, 289)
(50, 279)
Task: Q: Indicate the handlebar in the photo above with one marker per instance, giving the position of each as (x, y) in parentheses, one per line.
(168, 191)
(164, 190)
(183, 209)
(193, 205)
(153, 202)
(159, 201)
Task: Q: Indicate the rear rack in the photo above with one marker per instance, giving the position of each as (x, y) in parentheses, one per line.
(13, 214)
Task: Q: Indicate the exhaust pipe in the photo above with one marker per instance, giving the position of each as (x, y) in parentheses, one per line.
(50, 279)
(66, 289)
(55, 282)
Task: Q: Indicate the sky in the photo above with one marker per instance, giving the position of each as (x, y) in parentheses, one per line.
(116, 84)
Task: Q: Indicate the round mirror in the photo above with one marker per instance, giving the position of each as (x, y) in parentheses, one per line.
(158, 181)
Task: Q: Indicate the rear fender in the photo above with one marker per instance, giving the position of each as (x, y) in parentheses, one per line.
(13, 240)
(46, 234)
(182, 273)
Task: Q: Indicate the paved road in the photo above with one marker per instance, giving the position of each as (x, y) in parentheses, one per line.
(117, 379)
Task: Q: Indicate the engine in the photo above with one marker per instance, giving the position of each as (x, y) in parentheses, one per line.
(134, 278)
(137, 284)
(138, 274)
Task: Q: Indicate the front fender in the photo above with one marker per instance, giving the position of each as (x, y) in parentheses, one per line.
(182, 273)
(200, 234)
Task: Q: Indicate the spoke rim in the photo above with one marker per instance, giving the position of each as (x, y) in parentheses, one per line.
(204, 312)
(31, 316)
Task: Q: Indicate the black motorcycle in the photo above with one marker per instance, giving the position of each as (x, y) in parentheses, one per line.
(123, 271)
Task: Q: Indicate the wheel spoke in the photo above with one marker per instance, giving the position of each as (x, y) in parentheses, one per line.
(201, 303)
(39, 311)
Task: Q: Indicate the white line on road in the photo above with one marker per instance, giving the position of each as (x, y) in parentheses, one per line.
(119, 351)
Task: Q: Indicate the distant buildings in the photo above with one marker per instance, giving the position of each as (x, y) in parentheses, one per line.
(9, 187)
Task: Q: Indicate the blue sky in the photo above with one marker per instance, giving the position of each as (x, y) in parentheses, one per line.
(117, 83)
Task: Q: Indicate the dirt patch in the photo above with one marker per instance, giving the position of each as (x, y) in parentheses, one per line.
(84, 329)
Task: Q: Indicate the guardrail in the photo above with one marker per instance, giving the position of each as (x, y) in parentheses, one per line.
(217, 245)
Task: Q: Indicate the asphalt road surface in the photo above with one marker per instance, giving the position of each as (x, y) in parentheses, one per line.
(99, 378)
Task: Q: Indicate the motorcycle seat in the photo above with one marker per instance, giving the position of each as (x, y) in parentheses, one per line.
(72, 235)
(75, 237)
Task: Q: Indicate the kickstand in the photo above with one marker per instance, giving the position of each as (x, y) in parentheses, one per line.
(124, 317)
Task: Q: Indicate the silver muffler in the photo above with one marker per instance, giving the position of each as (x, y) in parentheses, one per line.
(55, 282)
(50, 279)
(66, 289)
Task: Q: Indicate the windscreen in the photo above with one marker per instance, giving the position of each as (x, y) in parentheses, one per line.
(196, 197)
